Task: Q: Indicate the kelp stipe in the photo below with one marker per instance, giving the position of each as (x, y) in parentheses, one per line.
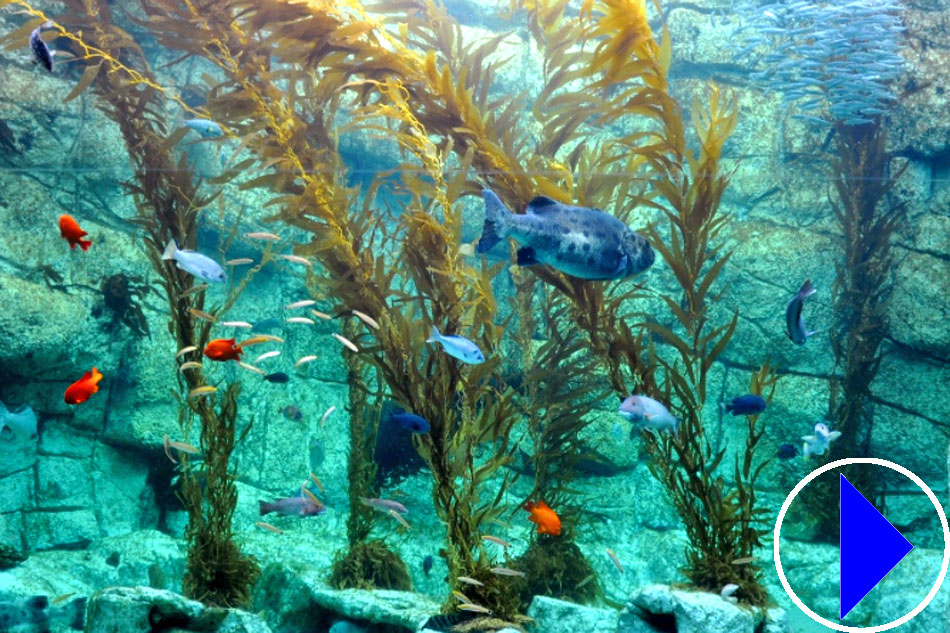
(861, 292)
(168, 199)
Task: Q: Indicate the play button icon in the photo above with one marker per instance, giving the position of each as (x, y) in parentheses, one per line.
(870, 546)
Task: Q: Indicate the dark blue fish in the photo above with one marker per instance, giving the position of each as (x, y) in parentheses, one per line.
(277, 377)
(786, 451)
(42, 55)
(410, 421)
(427, 564)
(746, 405)
(794, 323)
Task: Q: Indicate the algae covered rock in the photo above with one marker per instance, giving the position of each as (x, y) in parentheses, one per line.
(143, 610)
(10, 557)
(559, 616)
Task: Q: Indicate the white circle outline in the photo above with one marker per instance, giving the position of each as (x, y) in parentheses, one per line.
(877, 462)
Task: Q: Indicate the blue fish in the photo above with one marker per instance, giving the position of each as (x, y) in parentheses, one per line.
(194, 263)
(745, 405)
(205, 127)
(794, 322)
(457, 347)
(786, 451)
(410, 421)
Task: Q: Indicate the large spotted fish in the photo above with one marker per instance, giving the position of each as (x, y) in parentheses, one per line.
(42, 54)
(582, 242)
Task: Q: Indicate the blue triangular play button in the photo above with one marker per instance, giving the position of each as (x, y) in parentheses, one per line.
(870, 546)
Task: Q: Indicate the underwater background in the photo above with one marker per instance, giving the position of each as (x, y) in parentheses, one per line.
(322, 168)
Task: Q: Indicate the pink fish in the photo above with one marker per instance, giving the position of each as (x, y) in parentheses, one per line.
(299, 506)
(384, 505)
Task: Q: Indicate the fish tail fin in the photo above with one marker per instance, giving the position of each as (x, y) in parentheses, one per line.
(496, 221)
(170, 250)
(435, 336)
(79, 613)
(264, 508)
(723, 408)
(85, 244)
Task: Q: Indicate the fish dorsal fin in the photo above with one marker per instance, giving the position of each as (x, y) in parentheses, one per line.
(542, 204)
(542, 506)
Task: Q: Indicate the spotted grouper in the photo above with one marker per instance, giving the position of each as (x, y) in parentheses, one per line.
(578, 241)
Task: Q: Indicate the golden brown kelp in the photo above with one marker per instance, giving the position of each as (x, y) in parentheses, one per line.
(861, 291)
(633, 67)
(466, 406)
(169, 200)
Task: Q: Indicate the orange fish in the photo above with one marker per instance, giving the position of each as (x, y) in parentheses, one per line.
(545, 518)
(82, 389)
(69, 229)
(223, 349)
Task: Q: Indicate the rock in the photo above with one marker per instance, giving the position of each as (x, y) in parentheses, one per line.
(559, 616)
(143, 610)
(660, 607)
(299, 598)
(70, 529)
(10, 557)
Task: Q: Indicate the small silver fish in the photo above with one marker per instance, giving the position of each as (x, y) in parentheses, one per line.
(194, 263)
(457, 347)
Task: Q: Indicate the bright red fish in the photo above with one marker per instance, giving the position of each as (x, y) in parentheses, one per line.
(82, 389)
(545, 518)
(69, 229)
(223, 349)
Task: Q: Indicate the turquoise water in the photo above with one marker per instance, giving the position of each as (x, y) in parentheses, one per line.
(323, 166)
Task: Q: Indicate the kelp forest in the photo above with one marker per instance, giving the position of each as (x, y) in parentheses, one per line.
(288, 82)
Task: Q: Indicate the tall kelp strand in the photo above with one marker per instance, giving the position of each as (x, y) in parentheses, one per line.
(169, 201)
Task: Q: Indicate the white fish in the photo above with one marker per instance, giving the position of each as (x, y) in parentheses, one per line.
(365, 318)
(303, 320)
(820, 442)
(347, 343)
(267, 355)
(457, 347)
(727, 592)
(299, 304)
(260, 235)
(240, 324)
(240, 261)
(304, 360)
(194, 263)
(326, 415)
(256, 370)
(297, 260)
(185, 350)
(321, 315)
(647, 413)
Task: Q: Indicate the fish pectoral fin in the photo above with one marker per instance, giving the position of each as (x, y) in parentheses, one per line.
(622, 265)
(834, 435)
(809, 438)
(527, 257)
